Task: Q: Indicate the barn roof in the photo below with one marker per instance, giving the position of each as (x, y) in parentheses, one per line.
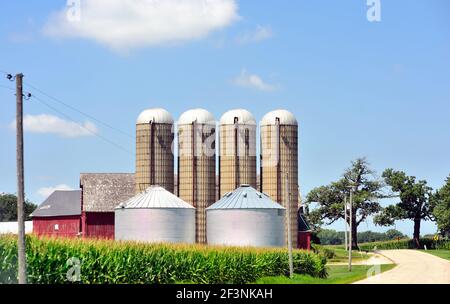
(102, 192)
(245, 197)
(303, 223)
(60, 203)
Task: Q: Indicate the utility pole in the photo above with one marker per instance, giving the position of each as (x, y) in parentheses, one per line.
(289, 232)
(346, 224)
(350, 243)
(20, 181)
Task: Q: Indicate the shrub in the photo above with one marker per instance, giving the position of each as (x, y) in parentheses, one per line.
(136, 263)
(328, 253)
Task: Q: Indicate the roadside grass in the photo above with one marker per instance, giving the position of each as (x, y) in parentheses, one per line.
(341, 255)
(337, 274)
(445, 254)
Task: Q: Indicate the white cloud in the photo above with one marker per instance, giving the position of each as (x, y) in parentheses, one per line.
(261, 33)
(253, 81)
(45, 123)
(123, 24)
(46, 191)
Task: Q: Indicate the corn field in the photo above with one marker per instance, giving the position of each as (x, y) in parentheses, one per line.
(52, 261)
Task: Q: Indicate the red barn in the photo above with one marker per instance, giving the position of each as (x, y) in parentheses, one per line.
(59, 215)
(304, 231)
(101, 193)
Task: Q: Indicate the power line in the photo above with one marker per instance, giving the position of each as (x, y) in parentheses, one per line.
(6, 87)
(81, 126)
(78, 111)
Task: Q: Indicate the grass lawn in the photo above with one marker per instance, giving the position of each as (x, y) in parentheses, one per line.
(445, 254)
(342, 255)
(336, 275)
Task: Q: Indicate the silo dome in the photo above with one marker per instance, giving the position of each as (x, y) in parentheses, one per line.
(246, 217)
(155, 216)
(285, 117)
(202, 116)
(156, 115)
(244, 117)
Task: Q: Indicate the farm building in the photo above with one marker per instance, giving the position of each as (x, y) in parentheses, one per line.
(100, 194)
(59, 215)
(246, 217)
(12, 227)
(155, 215)
(304, 231)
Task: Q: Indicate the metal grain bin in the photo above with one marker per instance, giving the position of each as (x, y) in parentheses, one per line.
(154, 155)
(237, 158)
(246, 217)
(155, 216)
(197, 164)
(279, 156)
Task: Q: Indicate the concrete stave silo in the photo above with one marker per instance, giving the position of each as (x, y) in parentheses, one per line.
(279, 156)
(197, 164)
(237, 145)
(246, 217)
(155, 216)
(154, 155)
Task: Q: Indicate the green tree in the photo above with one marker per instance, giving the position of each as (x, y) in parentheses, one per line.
(393, 234)
(440, 203)
(329, 199)
(414, 201)
(8, 208)
(330, 237)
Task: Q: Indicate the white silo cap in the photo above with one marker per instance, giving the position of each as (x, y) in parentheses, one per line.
(286, 118)
(244, 117)
(202, 116)
(156, 115)
(153, 198)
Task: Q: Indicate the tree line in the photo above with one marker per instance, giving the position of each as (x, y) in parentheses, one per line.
(8, 208)
(416, 201)
(333, 237)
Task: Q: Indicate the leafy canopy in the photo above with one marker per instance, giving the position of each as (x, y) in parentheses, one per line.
(330, 198)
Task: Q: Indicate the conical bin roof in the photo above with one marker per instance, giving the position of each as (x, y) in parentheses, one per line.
(245, 197)
(155, 197)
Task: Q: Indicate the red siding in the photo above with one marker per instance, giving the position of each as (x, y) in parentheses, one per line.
(60, 226)
(98, 225)
(304, 240)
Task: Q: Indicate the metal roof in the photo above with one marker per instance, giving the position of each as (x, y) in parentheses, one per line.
(157, 115)
(155, 197)
(60, 203)
(202, 116)
(245, 197)
(244, 117)
(303, 223)
(286, 118)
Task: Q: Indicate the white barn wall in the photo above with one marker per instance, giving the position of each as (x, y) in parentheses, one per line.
(11, 227)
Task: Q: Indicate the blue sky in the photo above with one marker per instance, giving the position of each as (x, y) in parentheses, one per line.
(358, 88)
